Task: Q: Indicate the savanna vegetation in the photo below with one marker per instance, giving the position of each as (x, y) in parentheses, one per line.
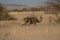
(4, 14)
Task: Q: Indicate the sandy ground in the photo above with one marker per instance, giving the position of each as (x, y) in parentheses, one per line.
(13, 30)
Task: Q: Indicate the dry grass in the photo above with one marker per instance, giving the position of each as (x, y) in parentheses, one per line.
(13, 30)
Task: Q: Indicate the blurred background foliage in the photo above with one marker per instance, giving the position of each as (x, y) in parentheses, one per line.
(4, 14)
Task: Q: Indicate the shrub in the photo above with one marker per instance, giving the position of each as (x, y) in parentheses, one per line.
(4, 14)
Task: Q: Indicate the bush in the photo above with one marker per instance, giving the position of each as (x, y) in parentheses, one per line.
(4, 14)
(34, 9)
